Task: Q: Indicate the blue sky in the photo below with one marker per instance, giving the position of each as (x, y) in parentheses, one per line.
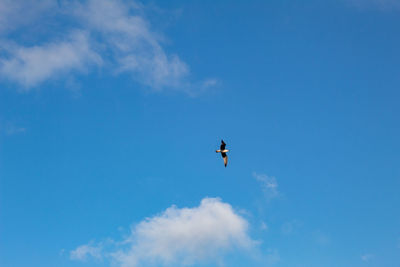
(110, 113)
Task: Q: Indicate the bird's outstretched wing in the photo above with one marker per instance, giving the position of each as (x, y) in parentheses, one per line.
(225, 157)
(222, 145)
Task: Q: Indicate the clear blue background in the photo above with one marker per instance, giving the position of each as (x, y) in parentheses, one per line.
(308, 93)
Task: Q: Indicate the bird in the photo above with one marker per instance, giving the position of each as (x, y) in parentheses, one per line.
(223, 151)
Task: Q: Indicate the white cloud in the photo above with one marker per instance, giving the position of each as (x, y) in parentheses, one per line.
(184, 236)
(30, 66)
(83, 252)
(367, 257)
(268, 184)
(120, 34)
(135, 47)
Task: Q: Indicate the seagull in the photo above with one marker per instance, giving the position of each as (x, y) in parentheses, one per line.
(223, 151)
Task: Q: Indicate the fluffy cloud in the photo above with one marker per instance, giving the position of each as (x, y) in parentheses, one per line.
(268, 184)
(116, 32)
(182, 236)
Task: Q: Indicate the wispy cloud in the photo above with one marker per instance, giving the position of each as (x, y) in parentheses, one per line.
(17, 13)
(136, 49)
(269, 185)
(9, 128)
(290, 227)
(30, 66)
(82, 253)
(263, 226)
(14, 130)
(321, 238)
(272, 256)
(114, 32)
(179, 236)
(367, 257)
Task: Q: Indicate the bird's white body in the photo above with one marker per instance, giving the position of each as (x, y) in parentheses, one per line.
(222, 151)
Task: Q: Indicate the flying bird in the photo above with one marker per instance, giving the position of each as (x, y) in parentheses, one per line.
(223, 151)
